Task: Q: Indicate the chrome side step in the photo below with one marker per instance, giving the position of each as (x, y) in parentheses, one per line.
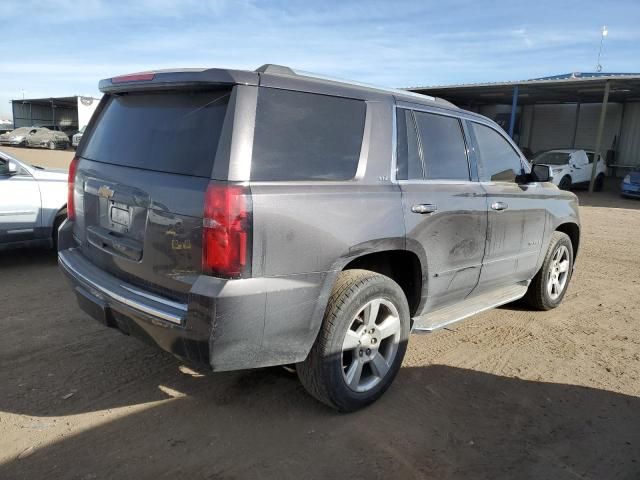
(471, 306)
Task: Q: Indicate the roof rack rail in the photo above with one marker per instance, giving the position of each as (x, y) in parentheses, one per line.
(273, 68)
(284, 70)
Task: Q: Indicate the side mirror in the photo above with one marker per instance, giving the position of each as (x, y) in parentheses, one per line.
(13, 168)
(542, 173)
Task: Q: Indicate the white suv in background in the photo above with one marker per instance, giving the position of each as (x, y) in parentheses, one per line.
(571, 167)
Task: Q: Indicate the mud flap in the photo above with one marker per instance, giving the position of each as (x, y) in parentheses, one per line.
(95, 307)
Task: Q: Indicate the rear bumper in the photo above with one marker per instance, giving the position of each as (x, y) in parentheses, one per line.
(227, 324)
(133, 312)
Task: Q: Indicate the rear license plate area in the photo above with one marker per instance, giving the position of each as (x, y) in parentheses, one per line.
(119, 217)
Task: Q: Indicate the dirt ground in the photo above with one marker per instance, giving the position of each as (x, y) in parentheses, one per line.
(41, 157)
(510, 394)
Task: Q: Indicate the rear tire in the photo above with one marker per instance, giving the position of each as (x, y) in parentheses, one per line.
(599, 183)
(565, 183)
(361, 343)
(548, 287)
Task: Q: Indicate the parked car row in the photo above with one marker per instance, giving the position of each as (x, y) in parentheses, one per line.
(49, 136)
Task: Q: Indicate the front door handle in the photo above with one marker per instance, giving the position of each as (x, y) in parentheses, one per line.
(499, 206)
(423, 208)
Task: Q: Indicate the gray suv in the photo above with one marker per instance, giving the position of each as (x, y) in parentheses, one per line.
(248, 219)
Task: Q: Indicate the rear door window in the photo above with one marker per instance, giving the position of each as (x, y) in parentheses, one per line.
(171, 131)
(500, 162)
(408, 162)
(303, 136)
(443, 148)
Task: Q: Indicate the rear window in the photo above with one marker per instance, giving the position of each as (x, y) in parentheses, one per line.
(303, 136)
(173, 132)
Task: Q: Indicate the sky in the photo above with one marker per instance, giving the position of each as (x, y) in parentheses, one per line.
(64, 47)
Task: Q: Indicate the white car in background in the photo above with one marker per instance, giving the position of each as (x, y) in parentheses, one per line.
(572, 167)
(33, 204)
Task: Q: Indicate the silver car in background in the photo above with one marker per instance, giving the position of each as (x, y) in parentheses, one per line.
(46, 138)
(15, 137)
(33, 204)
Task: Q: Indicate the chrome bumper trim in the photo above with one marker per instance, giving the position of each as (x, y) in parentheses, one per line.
(136, 305)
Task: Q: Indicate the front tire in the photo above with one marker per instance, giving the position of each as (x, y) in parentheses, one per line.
(599, 183)
(361, 343)
(548, 287)
(565, 183)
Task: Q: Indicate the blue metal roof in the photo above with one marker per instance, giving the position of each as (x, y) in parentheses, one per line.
(569, 76)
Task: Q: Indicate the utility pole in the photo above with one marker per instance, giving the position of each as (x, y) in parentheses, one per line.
(603, 114)
(603, 33)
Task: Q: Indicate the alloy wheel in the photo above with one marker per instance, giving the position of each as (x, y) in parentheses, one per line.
(370, 345)
(558, 273)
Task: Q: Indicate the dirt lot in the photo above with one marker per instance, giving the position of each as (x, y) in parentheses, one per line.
(506, 394)
(40, 157)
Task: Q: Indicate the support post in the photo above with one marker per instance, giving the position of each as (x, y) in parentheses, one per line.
(603, 114)
(575, 125)
(514, 105)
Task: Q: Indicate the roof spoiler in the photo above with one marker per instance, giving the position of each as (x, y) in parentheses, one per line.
(163, 79)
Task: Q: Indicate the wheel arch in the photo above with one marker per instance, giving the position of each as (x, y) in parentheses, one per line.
(572, 230)
(371, 255)
(566, 175)
(401, 265)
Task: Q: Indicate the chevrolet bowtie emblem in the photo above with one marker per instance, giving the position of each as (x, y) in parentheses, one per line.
(105, 192)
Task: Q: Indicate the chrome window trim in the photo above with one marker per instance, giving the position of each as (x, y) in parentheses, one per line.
(244, 121)
(394, 143)
(365, 146)
(439, 182)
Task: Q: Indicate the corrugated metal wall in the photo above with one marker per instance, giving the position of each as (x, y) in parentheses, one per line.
(554, 126)
(629, 145)
(588, 125)
(27, 114)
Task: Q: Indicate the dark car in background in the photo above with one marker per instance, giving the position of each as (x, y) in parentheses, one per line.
(316, 223)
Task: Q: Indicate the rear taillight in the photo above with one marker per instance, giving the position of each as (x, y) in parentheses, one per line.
(71, 204)
(226, 231)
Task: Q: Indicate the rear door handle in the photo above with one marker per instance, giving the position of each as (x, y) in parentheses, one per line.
(499, 206)
(423, 208)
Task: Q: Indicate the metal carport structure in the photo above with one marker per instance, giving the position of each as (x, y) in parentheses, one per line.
(65, 112)
(579, 94)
